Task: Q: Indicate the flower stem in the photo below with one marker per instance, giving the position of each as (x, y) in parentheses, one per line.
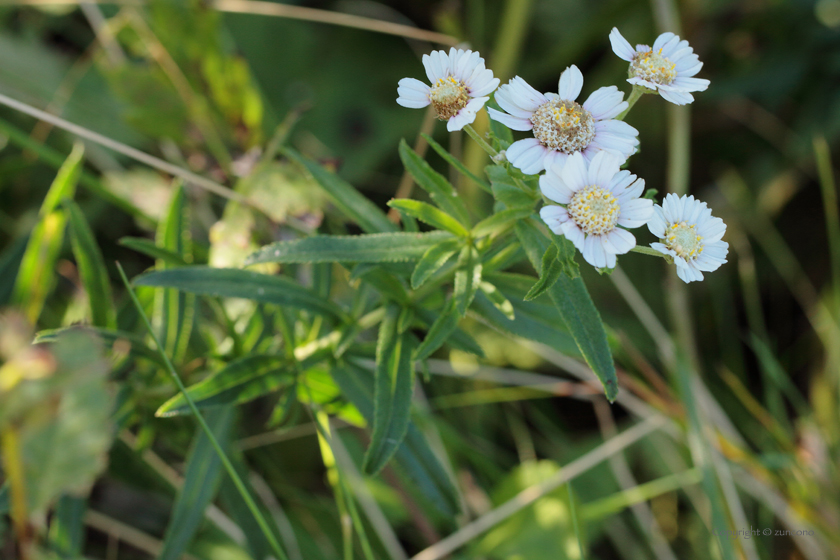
(480, 141)
(636, 93)
(13, 464)
(647, 251)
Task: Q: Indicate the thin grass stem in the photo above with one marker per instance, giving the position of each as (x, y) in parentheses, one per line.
(237, 481)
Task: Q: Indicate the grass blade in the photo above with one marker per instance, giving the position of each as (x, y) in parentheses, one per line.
(240, 486)
(201, 482)
(35, 276)
(92, 269)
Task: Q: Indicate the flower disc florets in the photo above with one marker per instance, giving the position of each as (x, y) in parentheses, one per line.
(682, 238)
(653, 67)
(448, 96)
(564, 126)
(594, 209)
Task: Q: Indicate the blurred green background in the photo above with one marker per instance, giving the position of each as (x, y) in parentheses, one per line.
(208, 90)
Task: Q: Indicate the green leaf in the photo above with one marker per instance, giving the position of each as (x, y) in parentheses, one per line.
(467, 279)
(576, 308)
(550, 270)
(236, 283)
(137, 347)
(376, 247)
(67, 526)
(240, 381)
(9, 265)
(174, 310)
(414, 456)
(501, 221)
(458, 338)
(92, 269)
(36, 273)
(429, 214)
(351, 202)
(454, 162)
(566, 252)
(431, 261)
(393, 389)
(502, 133)
(441, 190)
(439, 332)
(498, 299)
(149, 248)
(505, 189)
(387, 284)
(201, 481)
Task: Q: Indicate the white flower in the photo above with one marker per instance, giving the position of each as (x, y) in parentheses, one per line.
(561, 126)
(688, 232)
(598, 198)
(459, 81)
(668, 67)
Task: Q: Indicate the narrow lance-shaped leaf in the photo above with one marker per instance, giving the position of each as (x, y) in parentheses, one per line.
(454, 162)
(394, 385)
(430, 215)
(550, 269)
(237, 283)
(92, 269)
(240, 381)
(467, 279)
(500, 221)
(173, 310)
(431, 261)
(376, 247)
(351, 202)
(439, 332)
(576, 309)
(35, 276)
(441, 191)
(498, 299)
(414, 456)
(505, 189)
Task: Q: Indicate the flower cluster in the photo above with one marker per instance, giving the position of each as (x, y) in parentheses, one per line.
(579, 149)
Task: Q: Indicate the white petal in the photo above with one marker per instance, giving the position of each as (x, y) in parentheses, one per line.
(706, 263)
(413, 103)
(686, 274)
(552, 186)
(712, 230)
(437, 66)
(574, 172)
(622, 240)
(609, 251)
(635, 213)
(620, 182)
(513, 123)
(524, 95)
(631, 191)
(526, 155)
(717, 250)
(620, 46)
(574, 234)
(680, 53)
(656, 224)
(689, 84)
(570, 84)
(663, 39)
(593, 252)
(662, 249)
(461, 119)
(676, 97)
(636, 81)
(510, 101)
(605, 103)
(602, 168)
(554, 217)
(412, 93)
(690, 70)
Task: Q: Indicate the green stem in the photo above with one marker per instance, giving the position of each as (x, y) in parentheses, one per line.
(13, 464)
(240, 486)
(480, 141)
(635, 94)
(647, 251)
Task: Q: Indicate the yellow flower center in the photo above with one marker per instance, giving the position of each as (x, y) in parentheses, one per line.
(564, 126)
(448, 97)
(594, 209)
(653, 67)
(683, 240)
